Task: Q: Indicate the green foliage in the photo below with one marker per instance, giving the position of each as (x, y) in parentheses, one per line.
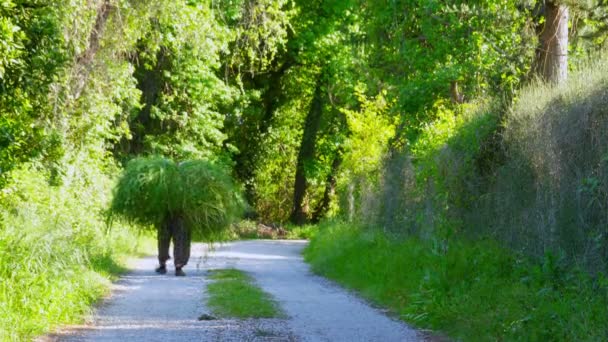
(305, 232)
(32, 52)
(535, 181)
(454, 139)
(424, 189)
(370, 130)
(233, 294)
(177, 58)
(319, 57)
(243, 230)
(248, 229)
(232, 81)
(261, 30)
(153, 189)
(556, 157)
(591, 31)
(277, 158)
(474, 291)
(56, 254)
(421, 48)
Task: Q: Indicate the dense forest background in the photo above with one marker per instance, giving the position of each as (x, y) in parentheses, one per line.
(433, 119)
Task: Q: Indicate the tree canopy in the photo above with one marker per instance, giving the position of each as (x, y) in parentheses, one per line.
(299, 98)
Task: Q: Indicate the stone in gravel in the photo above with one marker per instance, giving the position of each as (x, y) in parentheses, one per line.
(206, 317)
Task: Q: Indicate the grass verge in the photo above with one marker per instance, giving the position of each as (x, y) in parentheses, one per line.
(472, 291)
(233, 294)
(57, 256)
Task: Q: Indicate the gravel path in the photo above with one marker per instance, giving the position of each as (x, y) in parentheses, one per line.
(149, 307)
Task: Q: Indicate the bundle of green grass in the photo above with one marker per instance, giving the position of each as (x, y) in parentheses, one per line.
(153, 190)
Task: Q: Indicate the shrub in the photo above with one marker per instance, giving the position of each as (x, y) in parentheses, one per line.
(532, 175)
(423, 190)
(550, 194)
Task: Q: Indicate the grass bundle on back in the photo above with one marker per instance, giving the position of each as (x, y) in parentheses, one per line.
(147, 191)
(154, 190)
(210, 200)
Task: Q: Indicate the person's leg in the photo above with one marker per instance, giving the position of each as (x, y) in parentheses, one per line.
(181, 245)
(164, 240)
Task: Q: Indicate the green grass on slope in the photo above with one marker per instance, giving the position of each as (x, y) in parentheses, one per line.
(57, 256)
(233, 294)
(473, 291)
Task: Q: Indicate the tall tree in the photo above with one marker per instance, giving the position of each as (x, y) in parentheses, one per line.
(307, 152)
(176, 68)
(424, 51)
(553, 56)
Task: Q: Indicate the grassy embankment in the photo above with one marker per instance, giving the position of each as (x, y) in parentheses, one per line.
(233, 294)
(473, 291)
(502, 221)
(57, 255)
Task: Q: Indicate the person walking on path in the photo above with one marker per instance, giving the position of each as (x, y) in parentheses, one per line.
(174, 229)
(180, 200)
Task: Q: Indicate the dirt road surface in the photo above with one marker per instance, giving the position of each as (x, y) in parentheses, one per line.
(145, 306)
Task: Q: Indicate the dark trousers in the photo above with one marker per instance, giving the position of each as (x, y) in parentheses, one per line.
(174, 229)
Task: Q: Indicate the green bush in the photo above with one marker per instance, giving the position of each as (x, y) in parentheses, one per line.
(153, 189)
(472, 291)
(247, 229)
(305, 232)
(550, 194)
(425, 189)
(56, 253)
(532, 175)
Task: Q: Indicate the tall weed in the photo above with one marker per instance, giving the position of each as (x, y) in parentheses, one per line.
(56, 253)
(550, 195)
(532, 175)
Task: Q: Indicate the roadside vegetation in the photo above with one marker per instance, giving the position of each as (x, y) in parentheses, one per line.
(234, 294)
(57, 254)
(484, 246)
(476, 124)
(471, 291)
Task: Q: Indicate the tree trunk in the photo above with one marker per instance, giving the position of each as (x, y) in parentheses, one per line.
(246, 160)
(299, 215)
(84, 61)
(150, 82)
(330, 189)
(457, 96)
(553, 56)
(274, 96)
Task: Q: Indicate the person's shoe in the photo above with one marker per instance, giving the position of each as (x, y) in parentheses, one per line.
(179, 272)
(162, 269)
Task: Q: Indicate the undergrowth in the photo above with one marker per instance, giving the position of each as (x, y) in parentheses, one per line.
(473, 291)
(234, 294)
(531, 173)
(247, 230)
(57, 255)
